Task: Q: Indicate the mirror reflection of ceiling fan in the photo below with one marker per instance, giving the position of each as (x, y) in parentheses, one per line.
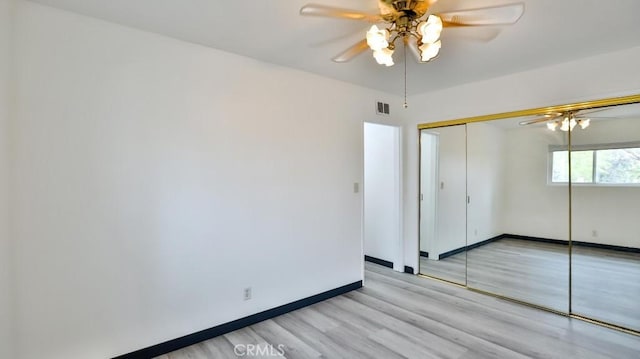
(412, 22)
(566, 121)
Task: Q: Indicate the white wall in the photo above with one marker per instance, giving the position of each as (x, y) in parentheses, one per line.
(6, 320)
(382, 193)
(600, 76)
(155, 179)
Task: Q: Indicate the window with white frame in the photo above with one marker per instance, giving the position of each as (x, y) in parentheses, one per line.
(602, 164)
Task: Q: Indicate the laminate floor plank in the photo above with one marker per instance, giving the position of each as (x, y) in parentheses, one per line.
(314, 336)
(294, 347)
(478, 345)
(219, 347)
(396, 315)
(466, 309)
(522, 335)
(370, 317)
(592, 336)
(248, 336)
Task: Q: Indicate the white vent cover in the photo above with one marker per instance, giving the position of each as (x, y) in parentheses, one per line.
(382, 108)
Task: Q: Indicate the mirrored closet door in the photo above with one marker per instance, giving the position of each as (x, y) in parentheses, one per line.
(542, 207)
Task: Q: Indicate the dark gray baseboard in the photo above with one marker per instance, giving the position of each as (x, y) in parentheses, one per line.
(379, 261)
(187, 340)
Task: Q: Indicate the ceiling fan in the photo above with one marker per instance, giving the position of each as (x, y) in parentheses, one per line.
(566, 121)
(412, 22)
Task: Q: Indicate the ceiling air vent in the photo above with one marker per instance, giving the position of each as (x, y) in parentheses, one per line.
(382, 108)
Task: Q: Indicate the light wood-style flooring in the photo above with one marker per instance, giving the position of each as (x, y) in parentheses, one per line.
(398, 315)
(606, 283)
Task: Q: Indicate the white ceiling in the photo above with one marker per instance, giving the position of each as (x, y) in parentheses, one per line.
(551, 31)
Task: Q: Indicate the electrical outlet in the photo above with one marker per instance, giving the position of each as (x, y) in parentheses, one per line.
(594, 233)
(247, 293)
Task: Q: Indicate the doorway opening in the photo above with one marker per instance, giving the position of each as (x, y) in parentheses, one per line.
(382, 229)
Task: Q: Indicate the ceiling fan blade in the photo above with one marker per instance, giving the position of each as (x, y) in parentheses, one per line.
(345, 36)
(536, 120)
(481, 34)
(353, 51)
(582, 113)
(487, 16)
(338, 13)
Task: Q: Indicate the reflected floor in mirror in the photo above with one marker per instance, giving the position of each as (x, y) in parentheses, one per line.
(606, 282)
(606, 285)
(534, 272)
(451, 268)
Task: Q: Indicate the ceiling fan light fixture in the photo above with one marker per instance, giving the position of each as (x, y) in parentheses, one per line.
(377, 39)
(567, 122)
(431, 29)
(429, 50)
(384, 56)
(584, 123)
(572, 123)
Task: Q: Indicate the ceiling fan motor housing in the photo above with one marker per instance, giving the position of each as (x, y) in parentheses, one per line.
(407, 7)
(404, 5)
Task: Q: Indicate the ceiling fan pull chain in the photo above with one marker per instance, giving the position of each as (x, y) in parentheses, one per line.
(405, 73)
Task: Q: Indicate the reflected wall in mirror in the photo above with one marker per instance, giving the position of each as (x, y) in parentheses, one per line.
(605, 173)
(443, 203)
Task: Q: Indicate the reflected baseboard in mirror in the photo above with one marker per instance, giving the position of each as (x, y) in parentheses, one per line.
(569, 177)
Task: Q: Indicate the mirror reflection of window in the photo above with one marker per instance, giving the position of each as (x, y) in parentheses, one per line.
(612, 164)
